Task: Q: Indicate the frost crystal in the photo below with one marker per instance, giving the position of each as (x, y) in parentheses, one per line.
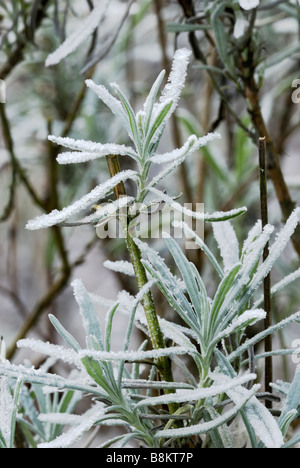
(249, 4)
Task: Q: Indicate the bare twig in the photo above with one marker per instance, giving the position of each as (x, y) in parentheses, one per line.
(267, 280)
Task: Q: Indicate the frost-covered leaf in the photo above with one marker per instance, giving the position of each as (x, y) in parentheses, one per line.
(133, 355)
(282, 239)
(249, 4)
(199, 393)
(213, 217)
(176, 81)
(73, 41)
(228, 244)
(262, 421)
(204, 428)
(150, 101)
(168, 285)
(250, 317)
(192, 235)
(264, 424)
(192, 280)
(112, 103)
(6, 412)
(85, 422)
(89, 315)
(84, 151)
(59, 352)
(292, 402)
(261, 335)
(120, 266)
(130, 115)
(39, 377)
(58, 217)
(192, 144)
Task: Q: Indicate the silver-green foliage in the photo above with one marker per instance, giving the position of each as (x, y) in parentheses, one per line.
(211, 335)
(120, 396)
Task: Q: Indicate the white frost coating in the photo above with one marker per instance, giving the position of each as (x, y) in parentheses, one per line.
(173, 332)
(114, 104)
(280, 285)
(260, 336)
(6, 410)
(149, 103)
(120, 266)
(2, 350)
(59, 352)
(88, 314)
(60, 418)
(132, 355)
(203, 428)
(192, 144)
(176, 80)
(87, 420)
(57, 217)
(249, 4)
(199, 393)
(249, 317)
(282, 239)
(228, 244)
(252, 235)
(88, 26)
(88, 150)
(217, 215)
(264, 424)
(104, 213)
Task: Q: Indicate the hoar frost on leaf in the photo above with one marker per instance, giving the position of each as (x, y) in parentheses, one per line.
(228, 243)
(84, 151)
(192, 144)
(58, 217)
(65, 354)
(262, 421)
(86, 422)
(249, 4)
(88, 26)
(6, 410)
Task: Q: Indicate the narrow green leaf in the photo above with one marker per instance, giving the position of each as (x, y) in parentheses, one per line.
(67, 337)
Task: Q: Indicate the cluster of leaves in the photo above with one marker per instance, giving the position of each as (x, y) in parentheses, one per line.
(201, 405)
(207, 400)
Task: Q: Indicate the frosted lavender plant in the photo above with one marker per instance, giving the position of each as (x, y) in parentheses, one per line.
(211, 335)
(145, 129)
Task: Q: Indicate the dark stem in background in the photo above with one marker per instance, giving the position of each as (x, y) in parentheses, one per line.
(162, 37)
(267, 281)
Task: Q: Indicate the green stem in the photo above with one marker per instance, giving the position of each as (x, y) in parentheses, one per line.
(155, 332)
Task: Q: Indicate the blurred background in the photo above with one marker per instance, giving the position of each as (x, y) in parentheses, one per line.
(239, 84)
